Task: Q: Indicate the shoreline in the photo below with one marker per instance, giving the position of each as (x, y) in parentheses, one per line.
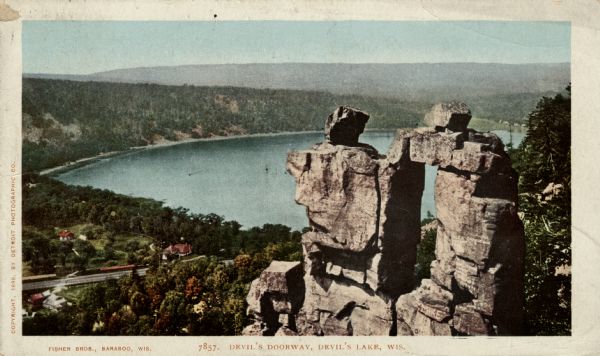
(89, 160)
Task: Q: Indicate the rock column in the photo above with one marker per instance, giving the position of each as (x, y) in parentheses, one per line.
(363, 212)
(476, 285)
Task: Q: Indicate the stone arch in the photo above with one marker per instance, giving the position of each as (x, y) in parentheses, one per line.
(364, 212)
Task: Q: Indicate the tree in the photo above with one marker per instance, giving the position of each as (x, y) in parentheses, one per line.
(425, 255)
(49, 322)
(544, 162)
(172, 314)
(139, 303)
(39, 250)
(192, 289)
(83, 251)
(109, 251)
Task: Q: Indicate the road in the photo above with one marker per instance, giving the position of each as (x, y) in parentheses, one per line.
(71, 281)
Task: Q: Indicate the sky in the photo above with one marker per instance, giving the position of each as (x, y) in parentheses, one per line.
(84, 47)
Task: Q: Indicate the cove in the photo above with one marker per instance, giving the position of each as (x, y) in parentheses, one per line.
(242, 179)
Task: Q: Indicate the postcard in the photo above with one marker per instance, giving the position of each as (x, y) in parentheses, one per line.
(205, 177)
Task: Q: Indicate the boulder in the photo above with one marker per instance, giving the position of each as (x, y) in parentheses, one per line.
(454, 116)
(466, 275)
(491, 141)
(429, 299)
(442, 274)
(432, 147)
(281, 277)
(399, 153)
(468, 321)
(469, 152)
(474, 158)
(412, 320)
(344, 126)
(254, 329)
(443, 267)
(334, 307)
(254, 296)
(278, 290)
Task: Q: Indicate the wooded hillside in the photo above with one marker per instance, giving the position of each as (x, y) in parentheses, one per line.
(67, 120)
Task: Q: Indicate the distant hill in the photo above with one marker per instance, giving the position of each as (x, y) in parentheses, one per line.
(415, 82)
(64, 120)
(67, 120)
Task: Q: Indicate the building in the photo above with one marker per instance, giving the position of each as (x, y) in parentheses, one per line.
(178, 250)
(65, 235)
(38, 298)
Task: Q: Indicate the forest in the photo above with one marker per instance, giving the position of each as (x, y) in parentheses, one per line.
(49, 204)
(204, 296)
(68, 120)
(543, 161)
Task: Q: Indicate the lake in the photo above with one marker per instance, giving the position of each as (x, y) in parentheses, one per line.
(242, 179)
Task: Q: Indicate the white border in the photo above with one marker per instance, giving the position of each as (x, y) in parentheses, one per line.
(585, 50)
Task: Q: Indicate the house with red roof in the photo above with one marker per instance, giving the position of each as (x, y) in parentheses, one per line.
(178, 250)
(65, 235)
(38, 298)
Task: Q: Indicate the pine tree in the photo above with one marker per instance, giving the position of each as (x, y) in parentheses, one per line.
(544, 162)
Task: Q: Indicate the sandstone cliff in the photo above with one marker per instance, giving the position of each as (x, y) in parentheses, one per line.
(363, 208)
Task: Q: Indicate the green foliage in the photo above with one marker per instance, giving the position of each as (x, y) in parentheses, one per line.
(544, 158)
(67, 120)
(48, 322)
(199, 297)
(203, 296)
(39, 249)
(48, 203)
(425, 255)
(84, 251)
(507, 107)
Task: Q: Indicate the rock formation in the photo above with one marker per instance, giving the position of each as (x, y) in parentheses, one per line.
(453, 116)
(364, 216)
(344, 126)
(275, 298)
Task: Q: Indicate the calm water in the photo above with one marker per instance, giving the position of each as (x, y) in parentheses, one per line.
(242, 179)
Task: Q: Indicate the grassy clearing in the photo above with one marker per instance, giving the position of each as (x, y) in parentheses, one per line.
(99, 244)
(121, 244)
(110, 250)
(71, 293)
(121, 241)
(77, 229)
(26, 269)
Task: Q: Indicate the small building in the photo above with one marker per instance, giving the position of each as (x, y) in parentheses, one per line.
(38, 298)
(65, 235)
(178, 250)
